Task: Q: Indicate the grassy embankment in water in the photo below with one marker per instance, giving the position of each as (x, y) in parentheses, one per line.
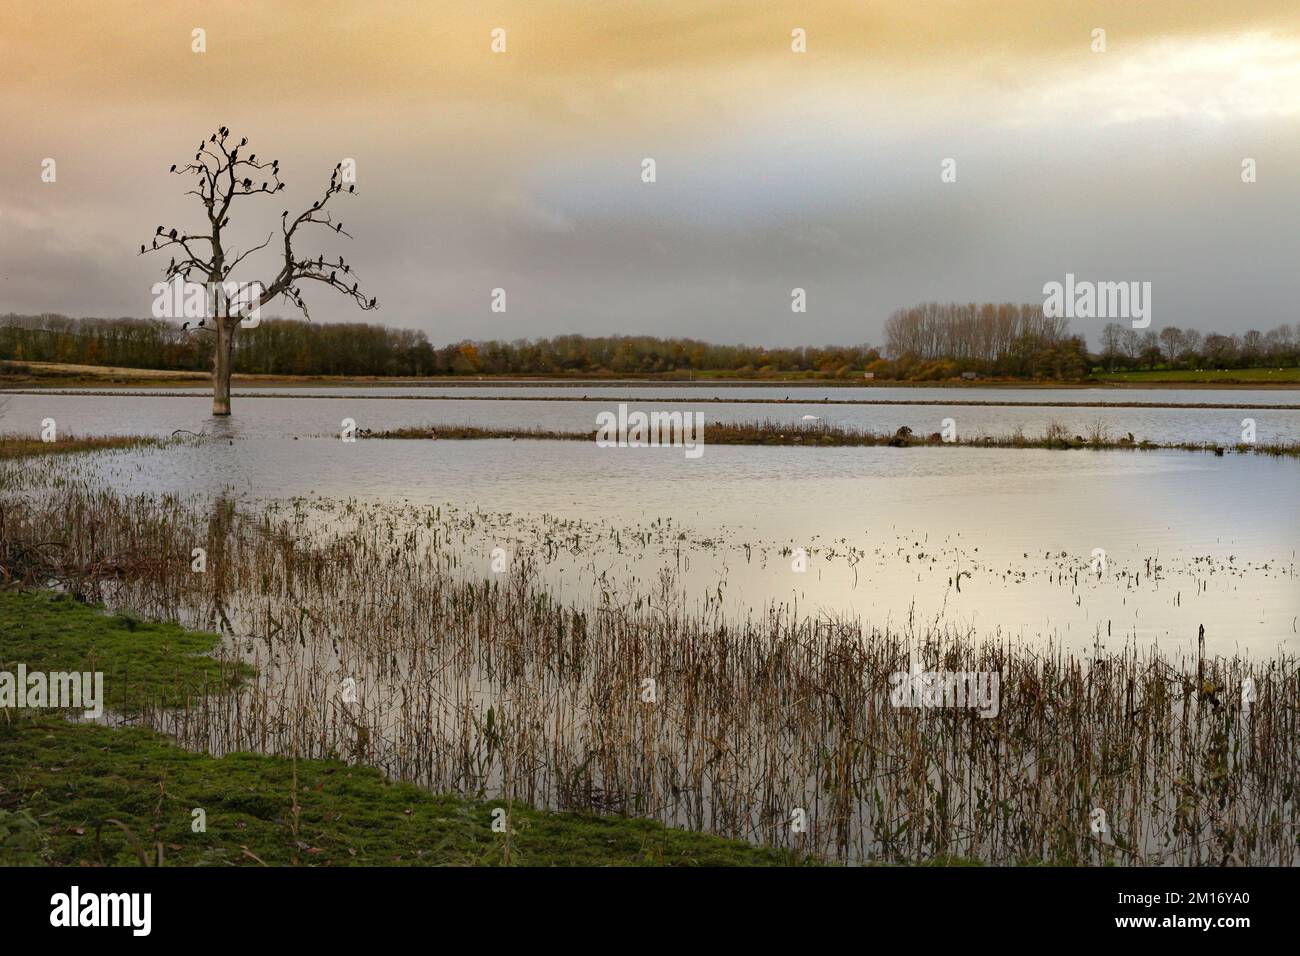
(770, 432)
(86, 794)
(27, 446)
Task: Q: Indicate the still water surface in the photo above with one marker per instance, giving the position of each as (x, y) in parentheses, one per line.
(319, 411)
(998, 541)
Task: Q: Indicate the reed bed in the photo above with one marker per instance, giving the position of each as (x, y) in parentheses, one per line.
(495, 688)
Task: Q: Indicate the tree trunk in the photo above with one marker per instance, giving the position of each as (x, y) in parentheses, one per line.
(221, 363)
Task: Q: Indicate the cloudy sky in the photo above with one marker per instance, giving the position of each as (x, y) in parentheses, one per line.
(775, 169)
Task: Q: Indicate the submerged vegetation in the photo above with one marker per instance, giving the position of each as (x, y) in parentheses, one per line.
(643, 705)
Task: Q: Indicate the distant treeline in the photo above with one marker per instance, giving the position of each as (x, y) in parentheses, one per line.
(937, 341)
(295, 347)
(928, 342)
(1172, 347)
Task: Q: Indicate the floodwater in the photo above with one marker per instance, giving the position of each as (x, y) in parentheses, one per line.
(319, 411)
(1004, 542)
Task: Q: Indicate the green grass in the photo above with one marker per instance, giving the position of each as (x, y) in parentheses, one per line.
(143, 661)
(62, 783)
(86, 794)
(1230, 376)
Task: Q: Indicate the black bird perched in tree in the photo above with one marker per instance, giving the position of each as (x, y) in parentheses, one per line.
(173, 169)
(332, 275)
(142, 247)
(252, 157)
(352, 188)
(244, 141)
(263, 185)
(172, 234)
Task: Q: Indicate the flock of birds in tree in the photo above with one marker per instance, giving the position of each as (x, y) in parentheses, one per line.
(218, 171)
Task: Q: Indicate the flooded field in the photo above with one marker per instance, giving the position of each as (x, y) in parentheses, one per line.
(999, 540)
(500, 609)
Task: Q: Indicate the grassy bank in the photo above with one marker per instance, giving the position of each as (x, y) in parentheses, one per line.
(821, 435)
(64, 785)
(85, 794)
(25, 446)
(1228, 377)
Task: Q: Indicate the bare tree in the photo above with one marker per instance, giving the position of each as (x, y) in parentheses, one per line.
(220, 175)
(1171, 343)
